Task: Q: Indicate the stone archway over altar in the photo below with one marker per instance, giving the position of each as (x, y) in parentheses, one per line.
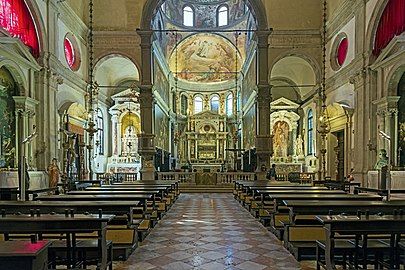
(284, 128)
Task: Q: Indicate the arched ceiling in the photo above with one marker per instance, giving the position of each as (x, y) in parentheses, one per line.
(296, 71)
(113, 70)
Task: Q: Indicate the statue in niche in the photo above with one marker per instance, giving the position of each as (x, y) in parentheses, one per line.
(382, 160)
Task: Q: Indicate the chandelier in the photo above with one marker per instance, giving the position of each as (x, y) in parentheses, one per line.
(323, 123)
(92, 92)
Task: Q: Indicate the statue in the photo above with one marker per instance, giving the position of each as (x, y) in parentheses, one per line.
(382, 161)
(53, 172)
(299, 147)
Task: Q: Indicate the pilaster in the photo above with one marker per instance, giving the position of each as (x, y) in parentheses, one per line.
(263, 99)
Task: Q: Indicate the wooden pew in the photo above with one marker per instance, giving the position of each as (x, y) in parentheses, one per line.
(242, 187)
(302, 229)
(278, 219)
(156, 209)
(122, 230)
(174, 185)
(144, 217)
(260, 205)
(164, 201)
(69, 225)
(363, 227)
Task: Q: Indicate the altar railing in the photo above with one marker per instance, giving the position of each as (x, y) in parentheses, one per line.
(184, 177)
(229, 177)
(221, 178)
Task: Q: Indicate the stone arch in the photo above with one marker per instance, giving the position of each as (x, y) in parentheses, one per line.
(116, 53)
(311, 61)
(17, 73)
(394, 76)
(151, 6)
(372, 28)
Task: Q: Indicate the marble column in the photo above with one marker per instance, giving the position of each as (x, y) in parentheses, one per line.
(146, 137)
(263, 99)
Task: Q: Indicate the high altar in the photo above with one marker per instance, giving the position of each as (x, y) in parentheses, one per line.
(205, 142)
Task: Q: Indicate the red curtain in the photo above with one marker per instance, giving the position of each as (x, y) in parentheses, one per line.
(392, 23)
(342, 51)
(69, 53)
(16, 19)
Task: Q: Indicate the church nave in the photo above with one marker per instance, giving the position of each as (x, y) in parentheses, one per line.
(209, 231)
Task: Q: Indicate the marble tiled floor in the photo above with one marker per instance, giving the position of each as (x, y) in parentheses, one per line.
(210, 232)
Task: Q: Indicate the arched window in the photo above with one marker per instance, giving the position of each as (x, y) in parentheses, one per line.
(215, 104)
(198, 104)
(391, 24)
(16, 19)
(222, 15)
(229, 104)
(310, 131)
(100, 133)
(188, 16)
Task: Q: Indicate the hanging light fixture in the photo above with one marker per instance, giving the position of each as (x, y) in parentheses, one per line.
(92, 91)
(323, 124)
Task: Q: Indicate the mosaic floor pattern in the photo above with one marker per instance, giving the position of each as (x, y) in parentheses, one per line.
(210, 232)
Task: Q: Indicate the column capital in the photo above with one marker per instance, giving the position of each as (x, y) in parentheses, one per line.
(146, 37)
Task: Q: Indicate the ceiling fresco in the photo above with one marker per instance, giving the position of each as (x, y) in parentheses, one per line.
(205, 58)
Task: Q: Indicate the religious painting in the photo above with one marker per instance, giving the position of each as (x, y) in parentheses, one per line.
(7, 119)
(205, 58)
(160, 83)
(249, 82)
(249, 128)
(161, 129)
(401, 121)
(280, 139)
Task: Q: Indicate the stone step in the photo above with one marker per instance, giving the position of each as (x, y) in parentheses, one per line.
(193, 188)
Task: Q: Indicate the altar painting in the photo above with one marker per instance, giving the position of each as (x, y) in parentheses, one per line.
(205, 58)
(280, 139)
(7, 119)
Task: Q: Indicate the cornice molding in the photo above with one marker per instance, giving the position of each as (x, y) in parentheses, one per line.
(116, 39)
(295, 39)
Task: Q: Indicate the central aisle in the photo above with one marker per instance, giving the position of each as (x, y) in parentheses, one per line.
(209, 231)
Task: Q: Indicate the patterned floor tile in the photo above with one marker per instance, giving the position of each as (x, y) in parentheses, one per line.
(210, 232)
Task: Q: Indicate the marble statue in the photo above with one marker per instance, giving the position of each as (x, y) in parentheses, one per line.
(299, 146)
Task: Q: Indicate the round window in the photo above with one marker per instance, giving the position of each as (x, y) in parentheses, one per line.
(342, 51)
(72, 53)
(339, 51)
